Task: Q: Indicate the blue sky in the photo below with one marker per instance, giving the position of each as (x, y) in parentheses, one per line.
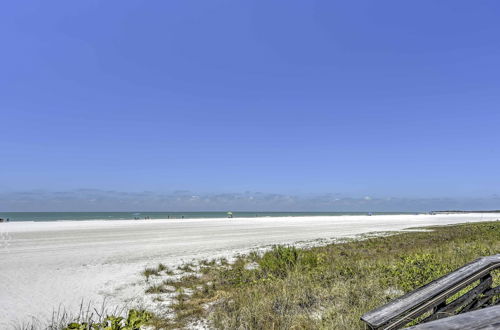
(383, 99)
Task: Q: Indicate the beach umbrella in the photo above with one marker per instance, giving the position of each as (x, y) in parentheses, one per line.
(229, 214)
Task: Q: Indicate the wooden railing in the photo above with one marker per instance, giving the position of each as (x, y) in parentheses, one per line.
(486, 318)
(432, 297)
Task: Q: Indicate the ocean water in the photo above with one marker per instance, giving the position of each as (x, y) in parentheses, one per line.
(79, 216)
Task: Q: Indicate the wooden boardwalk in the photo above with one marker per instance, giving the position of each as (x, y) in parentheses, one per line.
(483, 319)
(432, 298)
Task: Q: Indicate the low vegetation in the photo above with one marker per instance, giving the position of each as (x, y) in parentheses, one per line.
(134, 320)
(159, 270)
(91, 317)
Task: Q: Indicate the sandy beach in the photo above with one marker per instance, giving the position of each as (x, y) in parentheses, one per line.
(45, 265)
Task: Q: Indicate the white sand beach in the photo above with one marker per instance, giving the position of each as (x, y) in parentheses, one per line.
(44, 265)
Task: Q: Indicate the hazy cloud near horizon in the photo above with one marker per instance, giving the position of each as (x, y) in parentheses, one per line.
(102, 200)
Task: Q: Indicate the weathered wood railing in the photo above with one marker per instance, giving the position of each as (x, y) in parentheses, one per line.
(482, 319)
(431, 298)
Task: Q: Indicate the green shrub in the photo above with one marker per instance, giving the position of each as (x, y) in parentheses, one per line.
(134, 320)
(311, 260)
(279, 260)
(415, 270)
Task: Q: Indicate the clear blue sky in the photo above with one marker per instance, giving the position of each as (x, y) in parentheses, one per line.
(358, 98)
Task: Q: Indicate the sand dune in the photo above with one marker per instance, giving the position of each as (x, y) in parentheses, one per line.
(44, 265)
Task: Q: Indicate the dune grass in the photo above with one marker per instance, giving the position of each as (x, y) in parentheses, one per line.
(90, 316)
(156, 271)
(327, 287)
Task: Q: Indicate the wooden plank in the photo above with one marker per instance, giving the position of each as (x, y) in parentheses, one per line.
(484, 319)
(467, 298)
(488, 297)
(402, 310)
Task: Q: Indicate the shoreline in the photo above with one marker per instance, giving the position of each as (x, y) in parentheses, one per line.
(137, 216)
(48, 264)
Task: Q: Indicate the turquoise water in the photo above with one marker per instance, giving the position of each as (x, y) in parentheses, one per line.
(79, 216)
